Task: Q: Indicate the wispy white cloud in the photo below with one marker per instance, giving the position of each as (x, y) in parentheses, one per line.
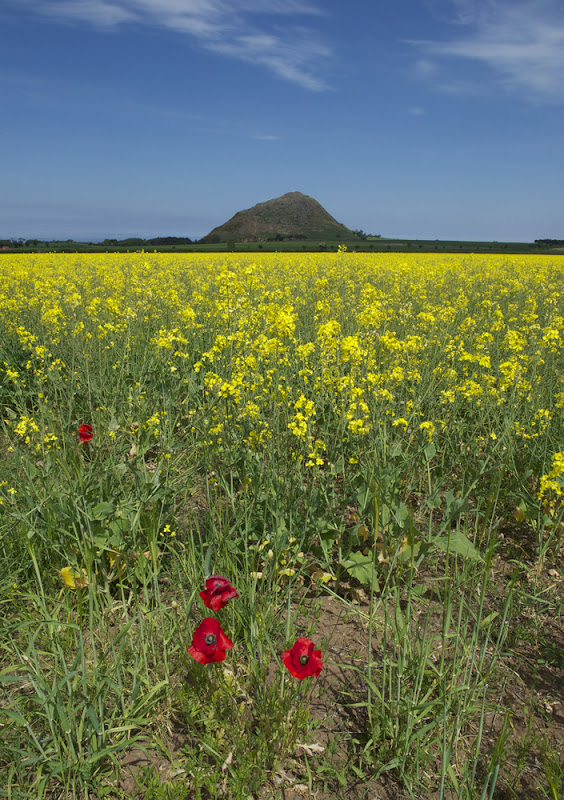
(521, 42)
(96, 12)
(266, 137)
(288, 58)
(256, 31)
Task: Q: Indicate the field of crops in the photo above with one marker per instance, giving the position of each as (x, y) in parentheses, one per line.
(370, 449)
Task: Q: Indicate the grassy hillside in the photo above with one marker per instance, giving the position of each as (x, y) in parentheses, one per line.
(292, 216)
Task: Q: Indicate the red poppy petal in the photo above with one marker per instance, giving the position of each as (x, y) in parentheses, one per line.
(224, 642)
(219, 655)
(230, 594)
(85, 432)
(220, 597)
(218, 593)
(302, 647)
(199, 656)
(215, 604)
(216, 580)
(208, 626)
(313, 664)
(215, 601)
(208, 599)
(289, 664)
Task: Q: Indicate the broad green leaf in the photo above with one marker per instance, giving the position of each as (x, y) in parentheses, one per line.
(101, 511)
(455, 505)
(457, 543)
(430, 451)
(402, 513)
(362, 568)
(329, 537)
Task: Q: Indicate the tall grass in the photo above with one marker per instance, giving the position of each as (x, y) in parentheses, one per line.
(308, 426)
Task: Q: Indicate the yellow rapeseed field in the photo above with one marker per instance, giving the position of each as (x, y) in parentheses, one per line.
(327, 345)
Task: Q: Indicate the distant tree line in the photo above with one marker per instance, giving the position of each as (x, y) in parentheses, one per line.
(158, 240)
(13, 243)
(281, 238)
(170, 240)
(550, 242)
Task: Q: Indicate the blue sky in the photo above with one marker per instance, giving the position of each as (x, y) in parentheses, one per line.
(412, 118)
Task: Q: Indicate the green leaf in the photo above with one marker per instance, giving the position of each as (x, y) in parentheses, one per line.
(338, 467)
(396, 450)
(455, 505)
(430, 451)
(101, 511)
(433, 500)
(144, 706)
(452, 776)
(18, 718)
(401, 514)
(490, 618)
(329, 537)
(119, 526)
(362, 569)
(457, 543)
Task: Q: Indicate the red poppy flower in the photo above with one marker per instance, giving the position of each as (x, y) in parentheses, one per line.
(218, 592)
(209, 642)
(302, 660)
(85, 433)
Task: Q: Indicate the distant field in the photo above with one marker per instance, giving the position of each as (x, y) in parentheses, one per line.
(368, 446)
(368, 245)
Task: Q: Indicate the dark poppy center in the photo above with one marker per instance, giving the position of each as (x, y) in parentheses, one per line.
(210, 639)
(304, 660)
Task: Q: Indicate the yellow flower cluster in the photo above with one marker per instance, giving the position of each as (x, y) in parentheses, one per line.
(308, 353)
(552, 483)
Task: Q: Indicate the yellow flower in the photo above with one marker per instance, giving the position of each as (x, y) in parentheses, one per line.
(429, 428)
(322, 577)
(74, 580)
